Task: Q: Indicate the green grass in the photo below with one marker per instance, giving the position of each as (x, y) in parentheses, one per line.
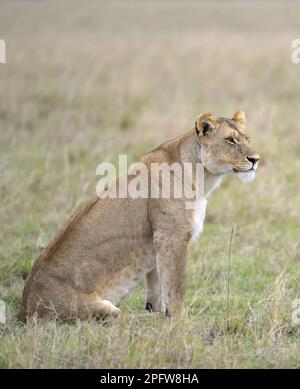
(86, 82)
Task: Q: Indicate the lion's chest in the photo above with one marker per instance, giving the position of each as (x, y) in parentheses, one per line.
(199, 216)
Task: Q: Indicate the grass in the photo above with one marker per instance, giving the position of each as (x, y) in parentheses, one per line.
(86, 82)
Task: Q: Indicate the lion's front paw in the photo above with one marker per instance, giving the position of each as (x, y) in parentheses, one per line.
(149, 307)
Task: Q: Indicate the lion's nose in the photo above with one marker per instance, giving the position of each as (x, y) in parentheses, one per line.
(253, 159)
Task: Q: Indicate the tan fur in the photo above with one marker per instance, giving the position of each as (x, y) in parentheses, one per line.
(109, 244)
(239, 117)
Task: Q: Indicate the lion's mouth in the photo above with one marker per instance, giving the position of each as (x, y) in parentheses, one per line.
(244, 171)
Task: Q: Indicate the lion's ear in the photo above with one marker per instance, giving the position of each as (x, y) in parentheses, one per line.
(240, 118)
(205, 123)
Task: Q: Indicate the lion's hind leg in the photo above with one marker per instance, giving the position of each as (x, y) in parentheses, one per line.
(94, 305)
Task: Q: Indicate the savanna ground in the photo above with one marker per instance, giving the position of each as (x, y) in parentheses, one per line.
(85, 82)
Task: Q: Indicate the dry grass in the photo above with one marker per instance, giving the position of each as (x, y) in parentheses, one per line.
(86, 81)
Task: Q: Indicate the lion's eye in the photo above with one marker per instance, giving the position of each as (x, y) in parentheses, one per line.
(231, 140)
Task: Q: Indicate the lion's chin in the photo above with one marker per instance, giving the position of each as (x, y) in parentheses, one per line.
(246, 176)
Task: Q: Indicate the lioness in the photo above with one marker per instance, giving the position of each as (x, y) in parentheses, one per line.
(100, 254)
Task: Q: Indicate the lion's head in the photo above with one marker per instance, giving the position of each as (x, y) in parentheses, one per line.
(225, 145)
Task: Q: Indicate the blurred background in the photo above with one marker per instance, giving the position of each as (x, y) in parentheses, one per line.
(86, 81)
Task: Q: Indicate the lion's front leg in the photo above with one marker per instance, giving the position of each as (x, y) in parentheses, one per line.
(153, 302)
(171, 250)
